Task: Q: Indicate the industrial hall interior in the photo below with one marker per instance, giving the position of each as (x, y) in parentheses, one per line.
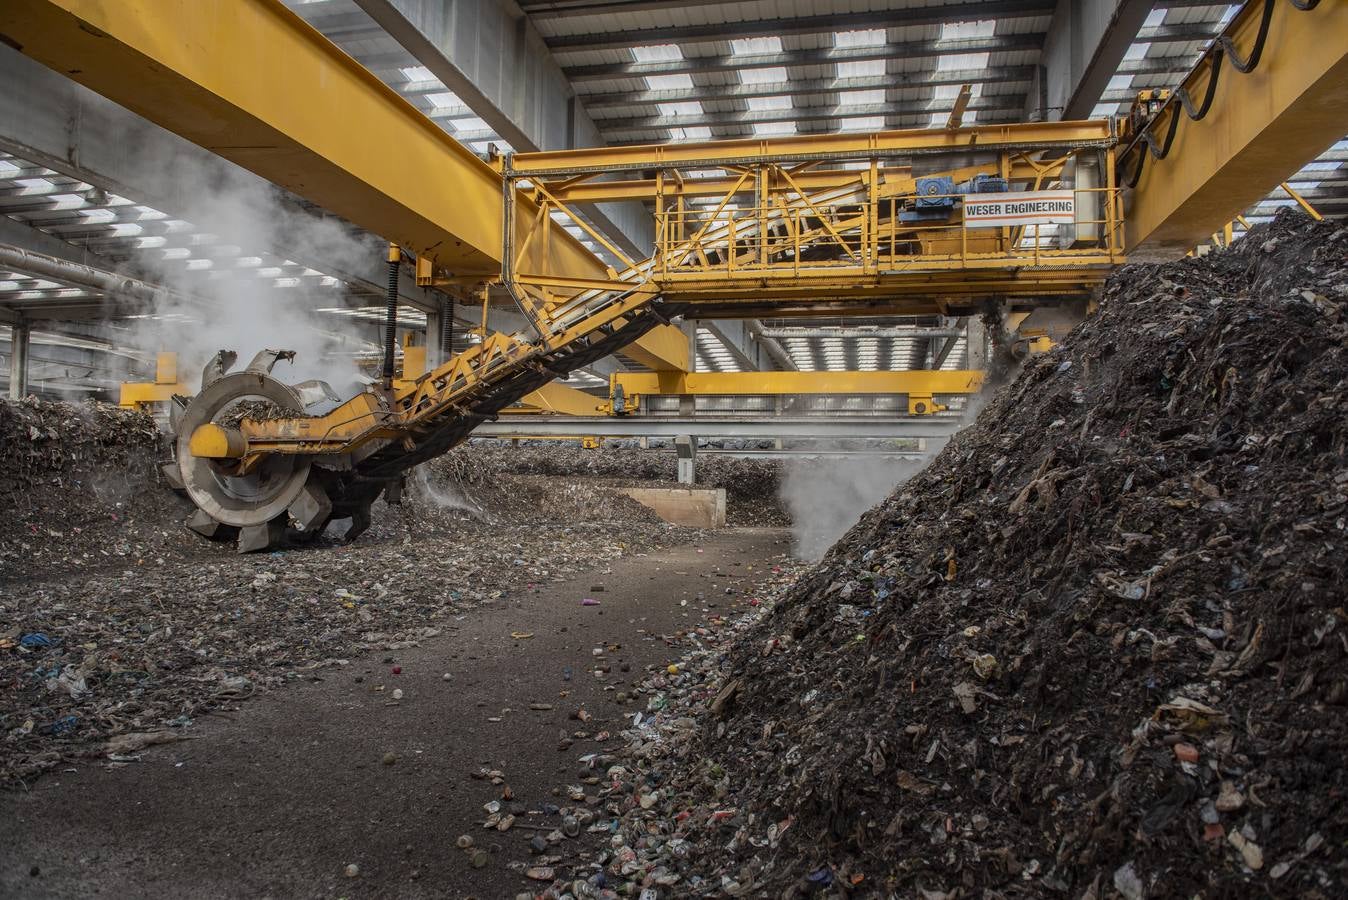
(655, 449)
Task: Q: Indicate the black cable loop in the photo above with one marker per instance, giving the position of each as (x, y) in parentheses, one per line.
(1248, 65)
(1222, 47)
(1199, 112)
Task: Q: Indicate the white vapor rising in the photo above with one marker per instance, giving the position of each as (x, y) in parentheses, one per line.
(826, 497)
(444, 495)
(225, 306)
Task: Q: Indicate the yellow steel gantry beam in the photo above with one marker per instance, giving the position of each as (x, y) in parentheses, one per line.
(166, 384)
(915, 381)
(559, 399)
(921, 386)
(1261, 126)
(1028, 136)
(253, 82)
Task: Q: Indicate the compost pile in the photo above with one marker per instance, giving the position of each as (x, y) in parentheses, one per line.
(81, 487)
(1097, 648)
(442, 494)
(751, 485)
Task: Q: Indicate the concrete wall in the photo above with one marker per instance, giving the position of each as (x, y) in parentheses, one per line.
(694, 507)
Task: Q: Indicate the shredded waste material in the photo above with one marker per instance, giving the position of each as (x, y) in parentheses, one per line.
(118, 626)
(751, 485)
(81, 488)
(1098, 648)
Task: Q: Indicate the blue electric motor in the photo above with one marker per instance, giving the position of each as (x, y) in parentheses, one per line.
(930, 191)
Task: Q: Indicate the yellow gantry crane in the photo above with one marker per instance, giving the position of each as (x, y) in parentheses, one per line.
(925, 221)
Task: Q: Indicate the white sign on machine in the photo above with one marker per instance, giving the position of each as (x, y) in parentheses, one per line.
(1019, 208)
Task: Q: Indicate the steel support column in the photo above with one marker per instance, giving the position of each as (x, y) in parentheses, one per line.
(20, 334)
(1083, 49)
(977, 343)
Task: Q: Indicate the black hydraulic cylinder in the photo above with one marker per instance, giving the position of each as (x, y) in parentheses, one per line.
(391, 316)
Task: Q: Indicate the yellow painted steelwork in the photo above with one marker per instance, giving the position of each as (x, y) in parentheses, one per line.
(214, 441)
(145, 395)
(560, 399)
(812, 147)
(913, 381)
(921, 387)
(1262, 126)
(253, 82)
(789, 233)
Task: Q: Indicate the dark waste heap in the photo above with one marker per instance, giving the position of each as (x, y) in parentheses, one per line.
(1097, 648)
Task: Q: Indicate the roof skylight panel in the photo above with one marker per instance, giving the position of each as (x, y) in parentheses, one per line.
(955, 61)
(682, 108)
(469, 123)
(769, 103)
(32, 186)
(861, 68)
(861, 98)
(873, 37)
(756, 45)
(862, 123)
(657, 53)
(963, 31)
(676, 82)
(766, 75)
(444, 100)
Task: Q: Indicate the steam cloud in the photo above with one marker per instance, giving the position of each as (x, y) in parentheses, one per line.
(824, 498)
(229, 307)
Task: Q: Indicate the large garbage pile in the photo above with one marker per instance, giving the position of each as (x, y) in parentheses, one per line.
(1098, 648)
(751, 485)
(80, 486)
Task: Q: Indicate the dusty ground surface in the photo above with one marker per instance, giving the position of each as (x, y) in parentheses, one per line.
(275, 796)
